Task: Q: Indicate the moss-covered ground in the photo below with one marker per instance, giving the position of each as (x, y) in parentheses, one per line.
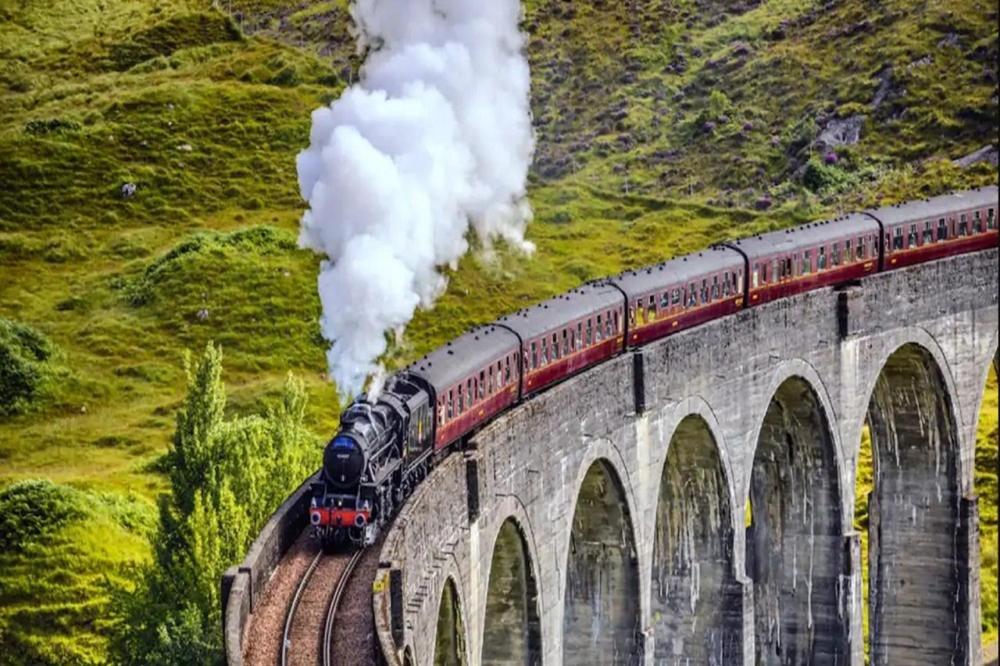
(662, 127)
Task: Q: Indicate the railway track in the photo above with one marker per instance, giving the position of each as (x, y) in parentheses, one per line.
(309, 623)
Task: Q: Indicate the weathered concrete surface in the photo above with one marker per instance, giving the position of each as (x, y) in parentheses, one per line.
(783, 392)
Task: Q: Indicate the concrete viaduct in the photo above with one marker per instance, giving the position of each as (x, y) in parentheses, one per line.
(695, 504)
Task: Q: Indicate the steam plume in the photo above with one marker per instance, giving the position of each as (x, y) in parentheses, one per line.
(434, 138)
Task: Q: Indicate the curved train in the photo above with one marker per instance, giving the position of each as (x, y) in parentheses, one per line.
(386, 447)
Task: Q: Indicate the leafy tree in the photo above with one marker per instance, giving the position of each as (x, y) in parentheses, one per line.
(226, 477)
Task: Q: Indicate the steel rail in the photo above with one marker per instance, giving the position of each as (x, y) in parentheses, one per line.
(331, 610)
(286, 642)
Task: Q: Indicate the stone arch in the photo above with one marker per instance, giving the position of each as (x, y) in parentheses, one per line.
(512, 627)
(450, 639)
(917, 598)
(795, 549)
(601, 612)
(695, 602)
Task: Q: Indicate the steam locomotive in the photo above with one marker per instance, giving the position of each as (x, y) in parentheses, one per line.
(386, 446)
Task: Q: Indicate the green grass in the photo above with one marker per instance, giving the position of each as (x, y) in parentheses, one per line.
(205, 114)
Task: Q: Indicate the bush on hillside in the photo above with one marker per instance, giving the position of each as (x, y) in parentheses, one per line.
(31, 510)
(24, 353)
(260, 240)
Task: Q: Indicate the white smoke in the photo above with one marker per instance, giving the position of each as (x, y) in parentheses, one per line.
(434, 138)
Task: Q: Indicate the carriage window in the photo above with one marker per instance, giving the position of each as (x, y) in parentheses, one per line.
(590, 332)
(489, 384)
(692, 296)
(963, 226)
(534, 355)
(928, 236)
(739, 281)
(545, 351)
(565, 343)
(991, 219)
(572, 339)
(555, 347)
(727, 287)
(860, 248)
(616, 321)
(506, 371)
(897, 240)
(451, 404)
(665, 301)
(787, 266)
(977, 222)
(835, 255)
(942, 233)
(821, 260)
(848, 255)
(806, 262)
(911, 240)
(652, 308)
(482, 384)
(607, 325)
(470, 392)
(675, 297)
(599, 335)
(441, 411)
(640, 313)
(704, 291)
(579, 334)
(715, 287)
(756, 276)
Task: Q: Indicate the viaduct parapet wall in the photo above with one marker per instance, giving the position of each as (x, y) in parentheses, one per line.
(695, 503)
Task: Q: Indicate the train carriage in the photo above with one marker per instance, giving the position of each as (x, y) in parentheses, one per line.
(819, 254)
(470, 380)
(928, 229)
(681, 293)
(563, 335)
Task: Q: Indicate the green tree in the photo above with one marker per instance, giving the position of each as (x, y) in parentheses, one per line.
(226, 477)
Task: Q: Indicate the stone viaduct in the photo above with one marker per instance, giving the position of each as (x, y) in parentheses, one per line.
(694, 504)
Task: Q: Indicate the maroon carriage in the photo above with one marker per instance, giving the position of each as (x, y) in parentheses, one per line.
(681, 293)
(928, 229)
(819, 254)
(565, 334)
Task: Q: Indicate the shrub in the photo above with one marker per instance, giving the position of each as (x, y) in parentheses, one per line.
(30, 510)
(24, 353)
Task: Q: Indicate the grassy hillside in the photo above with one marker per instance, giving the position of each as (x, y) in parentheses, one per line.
(662, 127)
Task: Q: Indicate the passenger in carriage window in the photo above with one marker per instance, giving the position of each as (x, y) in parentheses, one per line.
(911, 240)
(928, 233)
(555, 347)
(704, 291)
(821, 262)
(545, 351)
(675, 297)
(715, 287)
(897, 239)
(942, 230)
(482, 384)
(692, 299)
(991, 218)
(590, 331)
(860, 248)
(651, 310)
(665, 301)
(607, 325)
(806, 262)
(977, 223)
(451, 405)
(599, 334)
(963, 226)
(579, 334)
